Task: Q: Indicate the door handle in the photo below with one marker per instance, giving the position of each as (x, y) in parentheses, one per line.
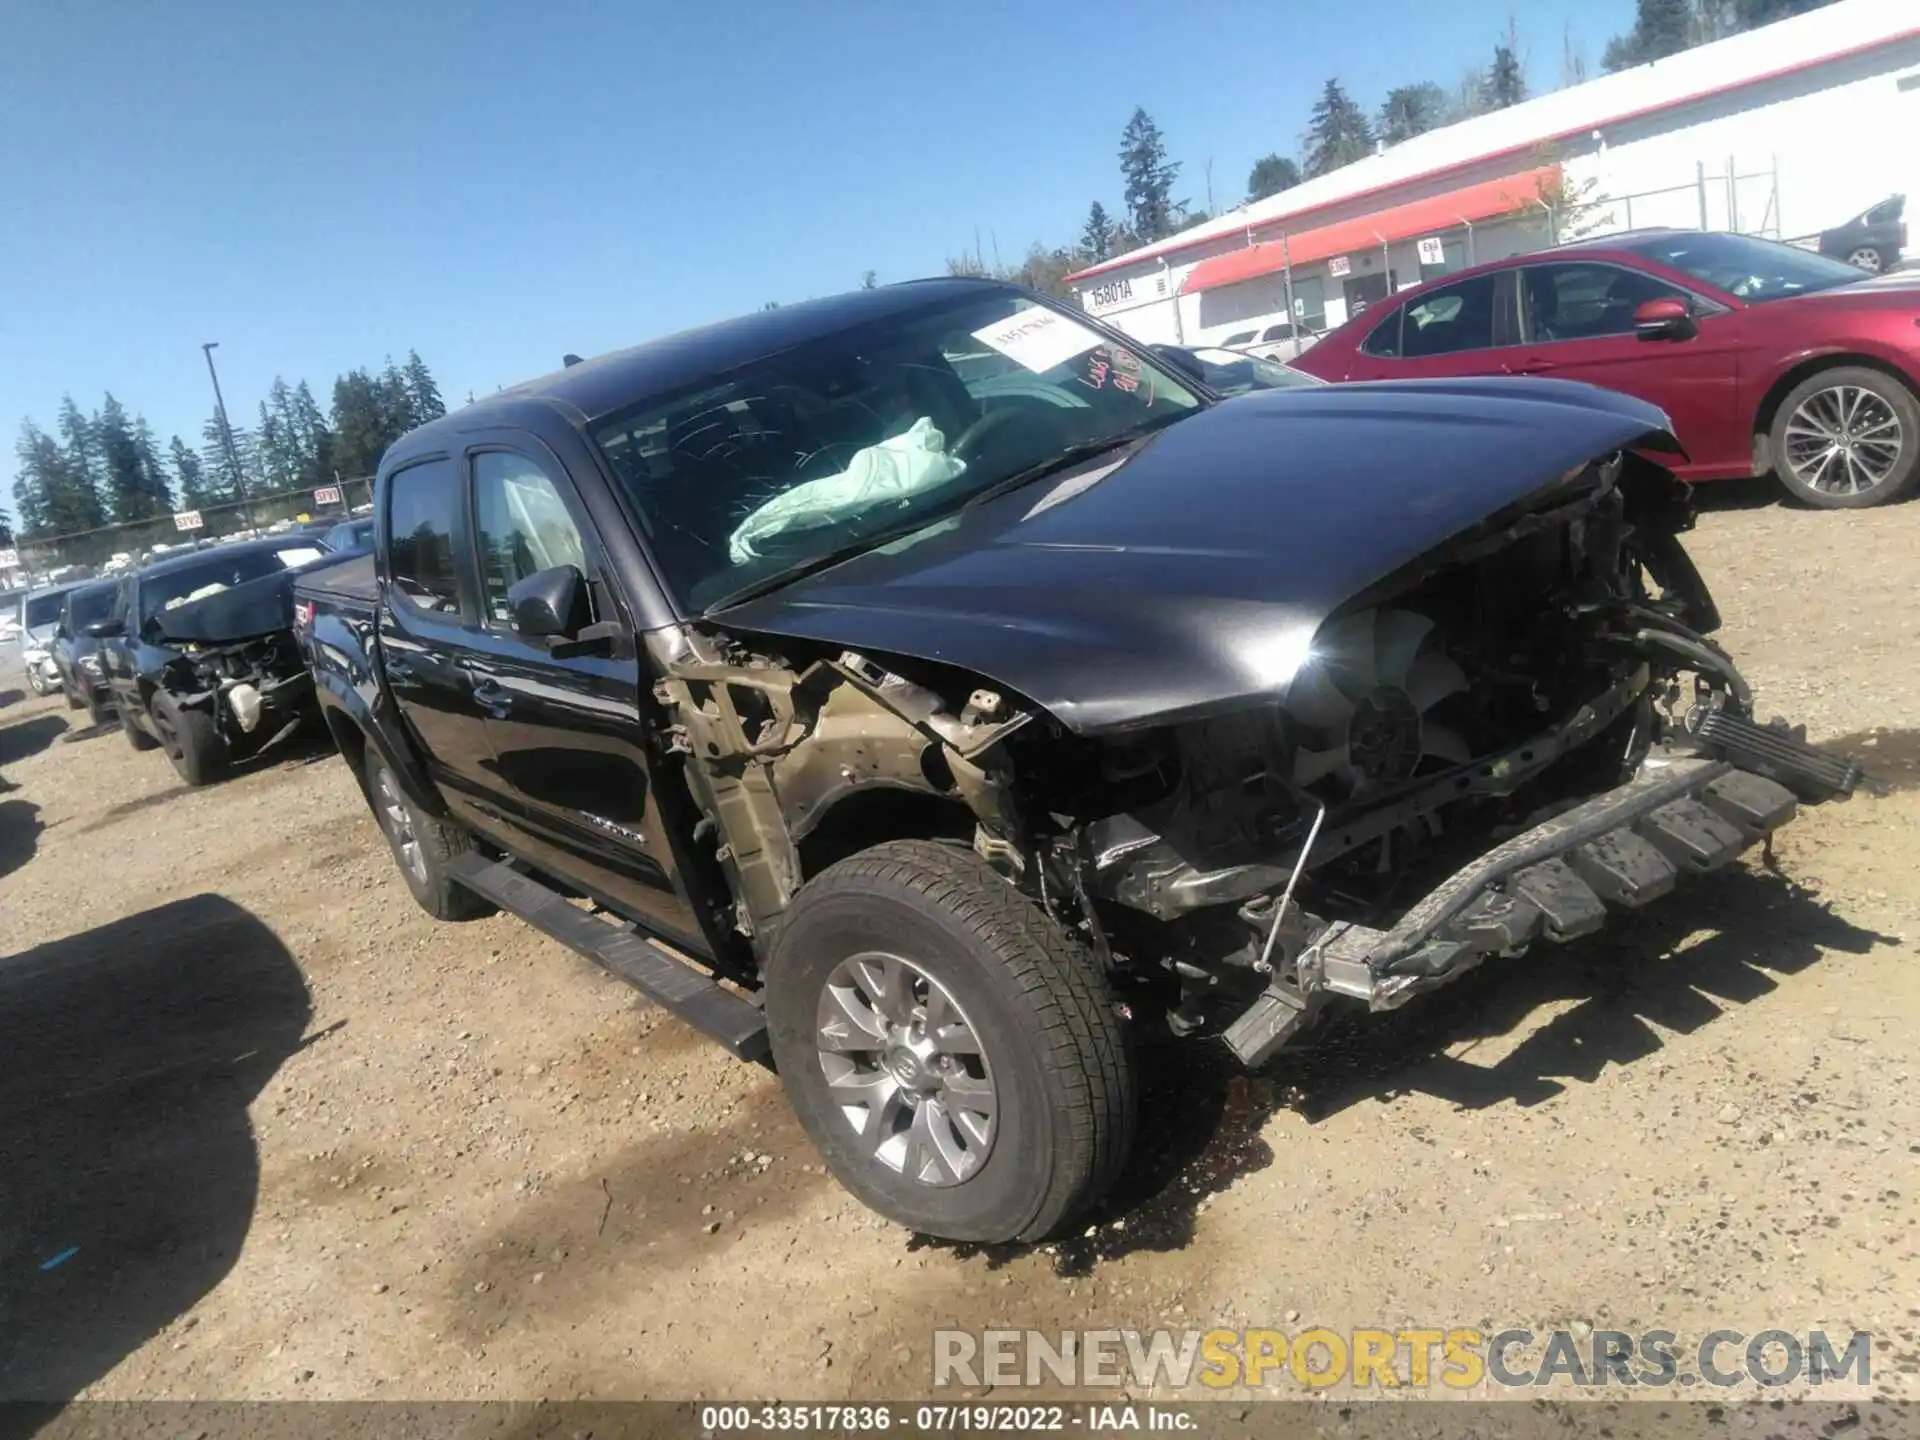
(1530, 367)
(492, 698)
(401, 671)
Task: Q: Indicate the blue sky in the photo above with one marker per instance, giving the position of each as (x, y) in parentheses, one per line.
(319, 185)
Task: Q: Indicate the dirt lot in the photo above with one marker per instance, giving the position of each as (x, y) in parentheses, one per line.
(310, 1144)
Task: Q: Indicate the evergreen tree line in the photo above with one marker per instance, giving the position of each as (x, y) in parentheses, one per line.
(107, 468)
(1341, 131)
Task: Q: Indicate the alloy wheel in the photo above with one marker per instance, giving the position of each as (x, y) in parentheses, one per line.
(1844, 440)
(398, 824)
(1865, 258)
(906, 1069)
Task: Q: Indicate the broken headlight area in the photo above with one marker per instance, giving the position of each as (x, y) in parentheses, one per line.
(1531, 730)
(259, 689)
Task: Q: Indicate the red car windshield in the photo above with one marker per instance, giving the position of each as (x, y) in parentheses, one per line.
(1754, 270)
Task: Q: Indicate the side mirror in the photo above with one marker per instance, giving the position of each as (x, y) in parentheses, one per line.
(104, 629)
(1181, 360)
(550, 604)
(1666, 319)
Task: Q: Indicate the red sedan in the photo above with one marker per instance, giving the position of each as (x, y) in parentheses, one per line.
(1767, 358)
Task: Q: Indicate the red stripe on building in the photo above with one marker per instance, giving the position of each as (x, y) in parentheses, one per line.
(1401, 222)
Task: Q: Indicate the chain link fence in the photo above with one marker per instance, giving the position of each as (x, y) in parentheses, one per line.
(113, 549)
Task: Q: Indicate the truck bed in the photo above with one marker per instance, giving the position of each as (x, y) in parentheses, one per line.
(347, 584)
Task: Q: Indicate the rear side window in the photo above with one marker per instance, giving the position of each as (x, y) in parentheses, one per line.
(423, 506)
(1449, 320)
(1385, 339)
(1238, 338)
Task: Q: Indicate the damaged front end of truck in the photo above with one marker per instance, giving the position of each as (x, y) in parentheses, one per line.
(233, 657)
(1497, 739)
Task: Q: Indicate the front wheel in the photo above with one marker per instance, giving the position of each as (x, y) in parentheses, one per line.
(136, 737)
(1847, 438)
(192, 739)
(951, 1051)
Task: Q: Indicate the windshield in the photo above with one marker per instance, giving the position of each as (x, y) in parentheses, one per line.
(219, 572)
(43, 609)
(1232, 373)
(872, 431)
(1754, 270)
(92, 605)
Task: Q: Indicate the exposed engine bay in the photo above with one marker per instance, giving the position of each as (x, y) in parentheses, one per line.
(258, 690)
(1526, 726)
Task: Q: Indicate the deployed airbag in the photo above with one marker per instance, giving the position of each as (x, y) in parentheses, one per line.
(890, 470)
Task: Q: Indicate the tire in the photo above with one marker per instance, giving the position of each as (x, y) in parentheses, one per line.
(74, 700)
(423, 847)
(1866, 407)
(98, 712)
(1869, 258)
(1051, 1053)
(36, 683)
(136, 737)
(192, 739)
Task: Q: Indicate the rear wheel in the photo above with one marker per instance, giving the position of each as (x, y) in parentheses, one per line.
(423, 847)
(192, 739)
(1847, 438)
(1867, 258)
(951, 1051)
(74, 700)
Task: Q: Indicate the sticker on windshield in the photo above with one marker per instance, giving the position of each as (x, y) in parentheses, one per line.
(1038, 339)
(294, 556)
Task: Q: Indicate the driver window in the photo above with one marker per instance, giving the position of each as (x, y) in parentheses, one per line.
(521, 526)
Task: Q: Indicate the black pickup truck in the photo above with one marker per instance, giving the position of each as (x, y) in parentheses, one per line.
(930, 692)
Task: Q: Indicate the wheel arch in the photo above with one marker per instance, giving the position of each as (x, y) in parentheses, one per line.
(871, 815)
(1769, 407)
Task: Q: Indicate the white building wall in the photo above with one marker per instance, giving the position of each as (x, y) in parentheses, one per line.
(1838, 136)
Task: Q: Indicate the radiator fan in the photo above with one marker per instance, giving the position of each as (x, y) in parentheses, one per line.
(1364, 702)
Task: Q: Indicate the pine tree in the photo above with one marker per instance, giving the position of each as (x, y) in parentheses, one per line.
(423, 396)
(1270, 175)
(232, 470)
(279, 460)
(81, 449)
(1149, 179)
(1337, 132)
(1660, 28)
(1506, 81)
(1411, 110)
(316, 436)
(129, 488)
(1096, 237)
(1751, 14)
(189, 475)
(56, 497)
(359, 425)
(153, 475)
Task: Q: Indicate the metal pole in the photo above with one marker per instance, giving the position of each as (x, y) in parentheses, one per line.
(1286, 281)
(1733, 199)
(1700, 181)
(226, 437)
(1469, 224)
(1629, 200)
(1779, 214)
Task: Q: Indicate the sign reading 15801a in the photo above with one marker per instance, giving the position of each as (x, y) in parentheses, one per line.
(1114, 292)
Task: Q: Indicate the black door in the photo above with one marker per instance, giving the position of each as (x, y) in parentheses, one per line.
(427, 634)
(568, 735)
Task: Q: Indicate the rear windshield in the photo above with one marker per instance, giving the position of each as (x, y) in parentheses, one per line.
(219, 572)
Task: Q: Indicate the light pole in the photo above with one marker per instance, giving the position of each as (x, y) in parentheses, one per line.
(226, 436)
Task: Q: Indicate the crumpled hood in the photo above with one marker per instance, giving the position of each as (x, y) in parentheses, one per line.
(241, 612)
(1192, 575)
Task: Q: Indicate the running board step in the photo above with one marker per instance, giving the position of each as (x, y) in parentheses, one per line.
(671, 983)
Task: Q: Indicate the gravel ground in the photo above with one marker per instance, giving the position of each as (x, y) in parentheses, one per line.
(295, 1140)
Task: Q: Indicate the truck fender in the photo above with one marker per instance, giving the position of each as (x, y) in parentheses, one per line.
(358, 727)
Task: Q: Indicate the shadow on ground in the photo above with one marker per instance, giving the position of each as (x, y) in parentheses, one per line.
(19, 834)
(1679, 965)
(130, 1055)
(29, 737)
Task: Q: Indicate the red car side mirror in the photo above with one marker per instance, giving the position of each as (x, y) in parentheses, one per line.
(1665, 319)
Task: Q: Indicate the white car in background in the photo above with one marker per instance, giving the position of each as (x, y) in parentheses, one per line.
(39, 615)
(1281, 340)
